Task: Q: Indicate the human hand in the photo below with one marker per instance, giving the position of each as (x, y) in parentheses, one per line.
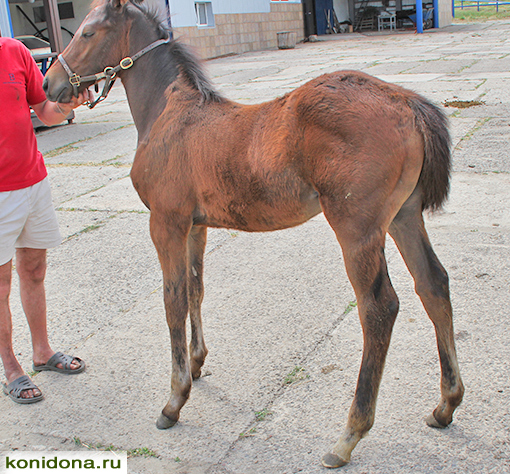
(52, 113)
(84, 97)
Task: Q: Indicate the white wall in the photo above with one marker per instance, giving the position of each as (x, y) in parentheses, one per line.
(183, 11)
(445, 17)
(240, 6)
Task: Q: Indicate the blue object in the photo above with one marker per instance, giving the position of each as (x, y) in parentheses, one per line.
(426, 15)
(419, 16)
(320, 7)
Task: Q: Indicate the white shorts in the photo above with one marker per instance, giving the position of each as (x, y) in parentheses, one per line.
(27, 220)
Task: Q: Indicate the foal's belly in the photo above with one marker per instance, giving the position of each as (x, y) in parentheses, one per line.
(260, 215)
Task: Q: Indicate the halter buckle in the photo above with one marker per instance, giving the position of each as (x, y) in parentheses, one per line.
(75, 80)
(126, 63)
(109, 72)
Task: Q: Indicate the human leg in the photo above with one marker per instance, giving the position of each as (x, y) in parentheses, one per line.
(31, 268)
(40, 232)
(12, 368)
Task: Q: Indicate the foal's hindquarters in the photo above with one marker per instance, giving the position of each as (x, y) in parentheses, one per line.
(398, 166)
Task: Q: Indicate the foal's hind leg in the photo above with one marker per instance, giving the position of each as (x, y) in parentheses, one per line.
(431, 283)
(196, 248)
(378, 306)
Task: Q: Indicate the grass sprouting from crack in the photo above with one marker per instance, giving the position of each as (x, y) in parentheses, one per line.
(479, 124)
(141, 452)
(481, 84)
(90, 228)
(297, 374)
(131, 453)
(350, 306)
(60, 151)
(250, 432)
(261, 415)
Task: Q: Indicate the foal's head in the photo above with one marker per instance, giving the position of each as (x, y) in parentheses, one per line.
(113, 30)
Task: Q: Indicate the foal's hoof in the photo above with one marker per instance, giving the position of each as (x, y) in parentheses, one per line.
(433, 423)
(163, 422)
(199, 373)
(332, 461)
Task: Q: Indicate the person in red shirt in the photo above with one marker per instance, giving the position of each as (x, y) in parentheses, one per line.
(28, 223)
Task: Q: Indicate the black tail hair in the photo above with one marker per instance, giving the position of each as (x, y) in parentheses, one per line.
(434, 179)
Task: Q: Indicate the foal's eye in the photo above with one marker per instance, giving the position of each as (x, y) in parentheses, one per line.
(87, 34)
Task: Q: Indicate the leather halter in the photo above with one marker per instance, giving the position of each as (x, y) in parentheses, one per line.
(109, 74)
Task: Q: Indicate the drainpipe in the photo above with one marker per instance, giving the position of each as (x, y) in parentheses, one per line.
(419, 16)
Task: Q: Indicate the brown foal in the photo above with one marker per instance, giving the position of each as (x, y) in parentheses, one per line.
(371, 155)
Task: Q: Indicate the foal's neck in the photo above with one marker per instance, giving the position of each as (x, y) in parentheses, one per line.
(145, 86)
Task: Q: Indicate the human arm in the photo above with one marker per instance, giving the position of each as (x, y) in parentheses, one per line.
(53, 113)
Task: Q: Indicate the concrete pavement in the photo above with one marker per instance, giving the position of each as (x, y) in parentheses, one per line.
(284, 338)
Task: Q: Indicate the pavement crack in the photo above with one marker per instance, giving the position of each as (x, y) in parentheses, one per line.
(479, 124)
(251, 429)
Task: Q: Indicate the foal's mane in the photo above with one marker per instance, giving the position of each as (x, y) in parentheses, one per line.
(191, 68)
(188, 63)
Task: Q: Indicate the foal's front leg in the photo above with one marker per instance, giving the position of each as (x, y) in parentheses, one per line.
(196, 247)
(170, 235)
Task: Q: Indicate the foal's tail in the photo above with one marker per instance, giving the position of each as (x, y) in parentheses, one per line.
(434, 179)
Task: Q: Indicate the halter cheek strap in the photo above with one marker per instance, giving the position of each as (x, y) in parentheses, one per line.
(109, 74)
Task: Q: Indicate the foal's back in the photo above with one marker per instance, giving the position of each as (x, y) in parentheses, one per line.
(262, 167)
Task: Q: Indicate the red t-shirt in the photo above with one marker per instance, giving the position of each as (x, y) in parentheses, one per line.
(21, 164)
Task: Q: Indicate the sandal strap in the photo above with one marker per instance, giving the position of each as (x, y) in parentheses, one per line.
(20, 385)
(60, 358)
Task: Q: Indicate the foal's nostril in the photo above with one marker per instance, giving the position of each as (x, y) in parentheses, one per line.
(50, 90)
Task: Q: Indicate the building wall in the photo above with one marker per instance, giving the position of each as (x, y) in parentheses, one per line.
(445, 13)
(240, 32)
(239, 25)
(183, 11)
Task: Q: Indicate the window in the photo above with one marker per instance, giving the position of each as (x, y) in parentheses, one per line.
(201, 14)
(65, 12)
(205, 16)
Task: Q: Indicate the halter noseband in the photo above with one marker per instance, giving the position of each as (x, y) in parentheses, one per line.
(109, 74)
